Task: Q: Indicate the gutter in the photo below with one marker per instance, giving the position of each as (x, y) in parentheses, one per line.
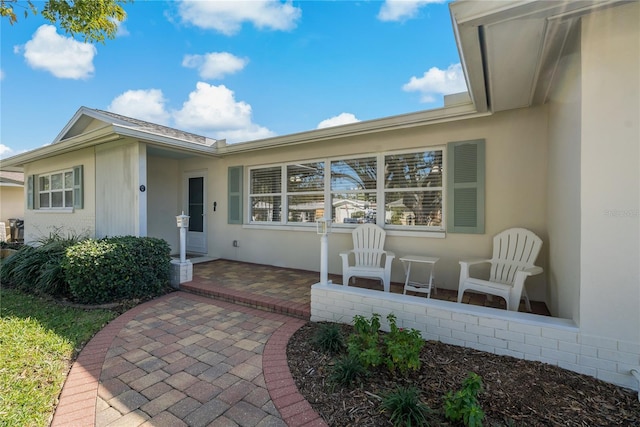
(95, 137)
(423, 118)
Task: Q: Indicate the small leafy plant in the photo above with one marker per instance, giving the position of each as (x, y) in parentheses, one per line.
(329, 338)
(463, 405)
(364, 343)
(403, 347)
(405, 408)
(347, 371)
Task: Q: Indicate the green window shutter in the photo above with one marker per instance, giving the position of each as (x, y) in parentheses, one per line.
(31, 179)
(465, 186)
(235, 195)
(78, 187)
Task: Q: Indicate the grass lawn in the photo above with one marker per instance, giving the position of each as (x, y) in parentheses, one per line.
(38, 341)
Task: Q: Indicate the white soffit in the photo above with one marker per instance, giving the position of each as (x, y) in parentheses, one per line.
(512, 54)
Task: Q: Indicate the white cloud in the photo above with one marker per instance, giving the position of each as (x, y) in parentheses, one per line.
(63, 57)
(210, 111)
(340, 119)
(437, 82)
(5, 151)
(227, 17)
(121, 30)
(1, 74)
(400, 10)
(214, 65)
(148, 105)
(213, 111)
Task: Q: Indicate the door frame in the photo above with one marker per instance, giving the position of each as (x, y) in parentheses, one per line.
(197, 242)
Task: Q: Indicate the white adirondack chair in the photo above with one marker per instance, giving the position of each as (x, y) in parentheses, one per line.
(368, 253)
(514, 252)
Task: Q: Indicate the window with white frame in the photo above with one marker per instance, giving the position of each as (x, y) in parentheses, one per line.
(56, 190)
(265, 194)
(401, 190)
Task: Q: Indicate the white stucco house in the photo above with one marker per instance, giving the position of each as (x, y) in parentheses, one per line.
(549, 139)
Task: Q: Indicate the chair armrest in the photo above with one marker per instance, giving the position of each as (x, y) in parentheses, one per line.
(389, 254)
(531, 271)
(345, 257)
(473, 261)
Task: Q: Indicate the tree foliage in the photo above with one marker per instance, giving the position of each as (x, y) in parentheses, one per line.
(94, 20)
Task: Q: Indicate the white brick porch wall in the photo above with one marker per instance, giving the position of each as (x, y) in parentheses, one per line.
(521, 335)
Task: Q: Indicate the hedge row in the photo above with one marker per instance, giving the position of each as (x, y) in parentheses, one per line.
(92, 271)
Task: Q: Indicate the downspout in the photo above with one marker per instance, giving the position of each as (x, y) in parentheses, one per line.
(636, 375)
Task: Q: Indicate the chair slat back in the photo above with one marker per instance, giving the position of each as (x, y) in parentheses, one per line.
(513, 250)
(368, 245)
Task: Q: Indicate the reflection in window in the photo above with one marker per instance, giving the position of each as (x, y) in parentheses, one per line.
(413, 189)
(305, 192)
(402, 190)
(265, 194)
(353, 190)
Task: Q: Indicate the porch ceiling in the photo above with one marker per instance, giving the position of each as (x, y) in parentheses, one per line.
(510, 49)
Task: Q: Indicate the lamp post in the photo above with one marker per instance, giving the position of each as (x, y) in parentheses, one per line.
(323, 227)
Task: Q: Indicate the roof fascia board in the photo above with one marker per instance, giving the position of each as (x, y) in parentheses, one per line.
(423, 118)
(95, 137)
(476, 13)
(472, 64)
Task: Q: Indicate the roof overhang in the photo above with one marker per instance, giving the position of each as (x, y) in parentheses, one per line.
(509, 50)
(71, 139)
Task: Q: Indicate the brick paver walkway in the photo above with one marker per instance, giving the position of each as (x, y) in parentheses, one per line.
(186, 360)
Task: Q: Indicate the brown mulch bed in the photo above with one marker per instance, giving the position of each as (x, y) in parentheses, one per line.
(515, 393)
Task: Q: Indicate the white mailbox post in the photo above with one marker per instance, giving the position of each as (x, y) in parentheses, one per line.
(324, 229)
(182, 271)
(183, 224)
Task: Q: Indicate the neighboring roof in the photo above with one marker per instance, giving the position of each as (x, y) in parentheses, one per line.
(11, 179)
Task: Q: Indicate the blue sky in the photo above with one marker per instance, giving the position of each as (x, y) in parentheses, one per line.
(240, 70)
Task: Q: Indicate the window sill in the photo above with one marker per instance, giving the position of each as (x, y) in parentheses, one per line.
(311, 227)
(54, 211)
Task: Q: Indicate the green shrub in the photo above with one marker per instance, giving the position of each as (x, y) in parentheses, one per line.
(329, 338)
(463, 405)
(364, 343)
(117, 268)
(347, 370)
(405, 408)
(399, 349)
(38, 269)
(402, 347)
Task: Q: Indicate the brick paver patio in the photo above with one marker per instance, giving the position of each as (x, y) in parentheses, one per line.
(185, 359)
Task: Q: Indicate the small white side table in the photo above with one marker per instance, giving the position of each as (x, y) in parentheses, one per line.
(411, 285)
